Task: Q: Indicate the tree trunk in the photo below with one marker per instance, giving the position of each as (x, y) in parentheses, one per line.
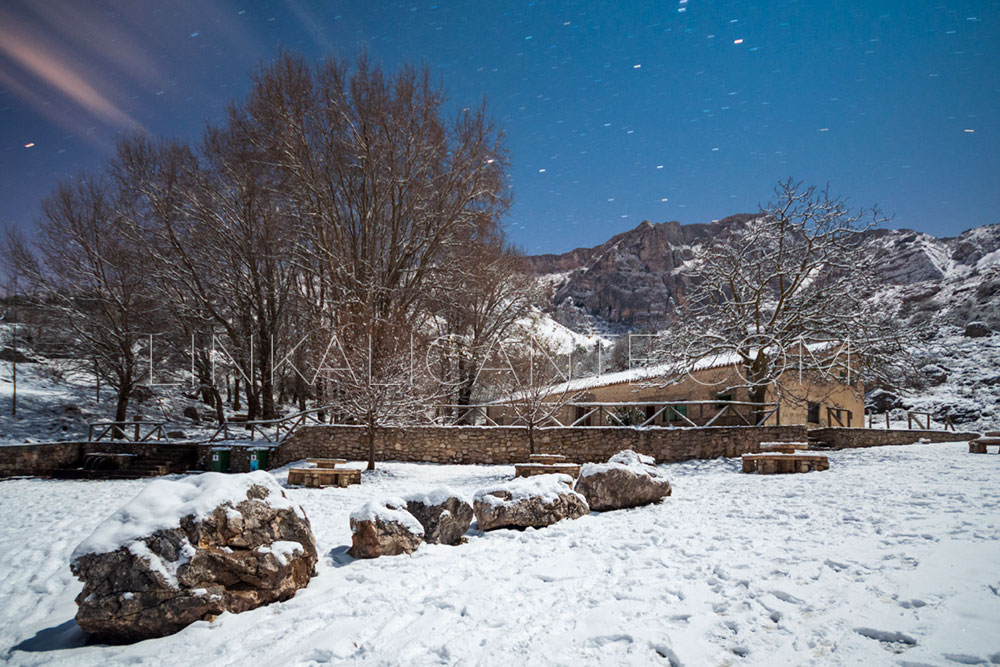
(121, 408)
(236, 393)
(531, 437)
(371, 444)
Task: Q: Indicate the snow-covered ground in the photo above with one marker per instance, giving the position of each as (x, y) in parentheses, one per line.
(890, 557)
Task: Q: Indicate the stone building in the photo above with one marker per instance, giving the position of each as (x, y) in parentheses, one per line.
(711, 395)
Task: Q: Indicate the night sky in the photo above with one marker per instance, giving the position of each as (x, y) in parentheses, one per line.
(616, 112)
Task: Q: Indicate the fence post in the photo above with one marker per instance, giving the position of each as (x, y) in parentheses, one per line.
(138, 418)
(887, 421)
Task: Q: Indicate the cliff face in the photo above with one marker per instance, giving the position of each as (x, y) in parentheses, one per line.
(632, 280)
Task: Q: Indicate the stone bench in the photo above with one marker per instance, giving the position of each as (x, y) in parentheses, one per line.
(783, 447)
(547, 459)
(532, 469)
(777, 463)
(325, 463)
(317, 478)
(979, 445)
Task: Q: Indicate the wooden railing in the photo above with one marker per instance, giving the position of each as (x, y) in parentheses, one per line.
(129, 431)
(271, 430)
(678, 414)
(921, 419)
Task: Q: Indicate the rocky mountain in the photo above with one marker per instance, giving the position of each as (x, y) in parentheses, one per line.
(631, 281)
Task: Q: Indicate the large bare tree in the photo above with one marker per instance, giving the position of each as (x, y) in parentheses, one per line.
(93, 278)
(792, 291)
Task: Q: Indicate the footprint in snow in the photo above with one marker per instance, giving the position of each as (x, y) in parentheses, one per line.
(896, 642)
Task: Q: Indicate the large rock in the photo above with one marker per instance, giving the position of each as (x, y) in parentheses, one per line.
(192, 413)
(883, 400)
(384, 528)
(189, 549)
(529, 502)
(977, 330)
(628, 479)
(444, 515)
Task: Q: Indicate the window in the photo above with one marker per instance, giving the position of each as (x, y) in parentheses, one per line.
(723, 399)
(676, 411)
(813, 417)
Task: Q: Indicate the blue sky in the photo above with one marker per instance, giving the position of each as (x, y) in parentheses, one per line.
(616, 112)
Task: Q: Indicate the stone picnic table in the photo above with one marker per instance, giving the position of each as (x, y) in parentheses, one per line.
(546, 464)
(322, 473)
(781, 463)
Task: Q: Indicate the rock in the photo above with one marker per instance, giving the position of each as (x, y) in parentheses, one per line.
(934, 374)
(529, 502)
(176, 435)
(15, 356)
(882, 400)
(384, 528)
(141, 394)
(443, 514)
(628, 479)
(191, 413)
(977, 330)
(189, 549)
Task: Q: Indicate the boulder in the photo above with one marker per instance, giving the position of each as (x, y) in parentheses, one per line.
(444, 515)
(176, 435)
(15, 356)
(882, 400)
(526, 502)
(977, 330)
(384, 528)
(141, 394)
(189, 549)
(628, 479)
(191, 413)
(934, 375)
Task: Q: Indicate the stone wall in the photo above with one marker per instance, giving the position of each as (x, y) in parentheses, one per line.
(505, 445)
(38, 459)
(848, 438)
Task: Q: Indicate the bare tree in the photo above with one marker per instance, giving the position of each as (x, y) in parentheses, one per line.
(93, 277)
(533, 382)
(387, 192)
(481, 306)
(792, 291)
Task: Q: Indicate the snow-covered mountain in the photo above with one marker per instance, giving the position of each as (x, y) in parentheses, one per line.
(631, 281)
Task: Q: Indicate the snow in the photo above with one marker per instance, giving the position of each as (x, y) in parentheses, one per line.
(164, 502)
(388, 510)
(624, 460)
(546, 487)
(890, 557)
(282, 550)
(437, 496)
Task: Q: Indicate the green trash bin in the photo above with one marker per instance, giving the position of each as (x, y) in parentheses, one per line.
(258, 459)
(220, 459)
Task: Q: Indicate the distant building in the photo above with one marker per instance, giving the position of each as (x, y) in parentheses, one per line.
(707, 396)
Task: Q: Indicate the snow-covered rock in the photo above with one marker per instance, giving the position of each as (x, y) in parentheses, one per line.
(384, 528)
(628, 479)
(189, 549)
(529, 502)
(977, 330)
(444, 515)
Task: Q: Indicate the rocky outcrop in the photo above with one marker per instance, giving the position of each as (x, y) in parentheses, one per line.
(443, 514)
(188, 550)
(529, 502)
(384, 528)
(628, 479)
(977, 330)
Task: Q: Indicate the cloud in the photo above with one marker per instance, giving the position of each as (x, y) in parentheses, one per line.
(37, 65)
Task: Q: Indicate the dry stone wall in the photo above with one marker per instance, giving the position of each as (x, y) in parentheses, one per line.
(505, 445)
(850, 438)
